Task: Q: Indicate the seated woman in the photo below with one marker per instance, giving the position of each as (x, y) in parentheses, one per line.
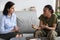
(47, 26)
(8, 25)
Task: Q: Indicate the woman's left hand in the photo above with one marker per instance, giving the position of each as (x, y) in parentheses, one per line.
(16, 29)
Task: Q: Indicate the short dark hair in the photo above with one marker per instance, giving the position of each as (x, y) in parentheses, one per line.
(8, 5)
(50, 8)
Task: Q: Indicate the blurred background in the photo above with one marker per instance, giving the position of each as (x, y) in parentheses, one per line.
(33, 5)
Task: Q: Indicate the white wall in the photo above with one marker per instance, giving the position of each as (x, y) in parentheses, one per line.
(21, 4)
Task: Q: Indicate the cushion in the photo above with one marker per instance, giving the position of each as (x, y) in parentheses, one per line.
(25, 19)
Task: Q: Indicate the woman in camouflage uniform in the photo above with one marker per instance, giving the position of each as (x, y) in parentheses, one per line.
(47, 26)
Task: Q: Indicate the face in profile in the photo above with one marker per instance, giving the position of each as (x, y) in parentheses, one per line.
(11, 10)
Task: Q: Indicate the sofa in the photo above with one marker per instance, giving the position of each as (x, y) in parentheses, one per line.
(25, 19)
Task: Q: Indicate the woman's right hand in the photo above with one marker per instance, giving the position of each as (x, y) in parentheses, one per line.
(35, 27)
(16, 29)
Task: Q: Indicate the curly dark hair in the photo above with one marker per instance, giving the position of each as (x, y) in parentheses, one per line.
(50, 8)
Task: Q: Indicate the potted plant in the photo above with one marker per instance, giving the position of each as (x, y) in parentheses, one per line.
(58, 13)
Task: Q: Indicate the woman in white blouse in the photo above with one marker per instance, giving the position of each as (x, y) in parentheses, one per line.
(8, 28)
